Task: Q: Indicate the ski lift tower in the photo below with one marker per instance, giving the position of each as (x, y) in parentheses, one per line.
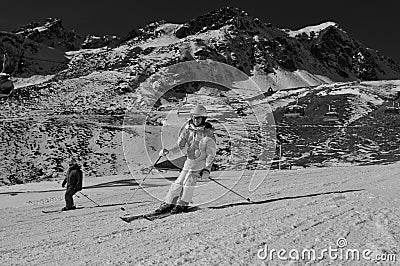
(331, 116)
(279, 141)
(294, 111)
(6, 84)
(393, 109)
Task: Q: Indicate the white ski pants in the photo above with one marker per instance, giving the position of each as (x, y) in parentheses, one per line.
(181, 191)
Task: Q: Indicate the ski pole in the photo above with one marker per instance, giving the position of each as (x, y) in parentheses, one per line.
(90, 199)
(140, 184)
(248, 199)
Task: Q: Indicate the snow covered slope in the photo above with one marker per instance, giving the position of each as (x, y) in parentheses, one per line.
(308, 209)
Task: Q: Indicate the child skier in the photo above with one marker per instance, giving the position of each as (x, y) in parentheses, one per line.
(198, 137)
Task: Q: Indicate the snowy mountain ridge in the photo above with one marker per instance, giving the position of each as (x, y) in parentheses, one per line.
(333, 134)
(52, 33)
(78, 109)
(313, 30)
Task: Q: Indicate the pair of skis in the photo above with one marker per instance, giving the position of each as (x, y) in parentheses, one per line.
(59, 210)
(152, 215)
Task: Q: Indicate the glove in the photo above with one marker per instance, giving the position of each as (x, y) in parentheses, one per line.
(163, 152)
(205, 174)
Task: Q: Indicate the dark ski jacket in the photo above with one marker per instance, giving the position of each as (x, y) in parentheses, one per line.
(74, 178)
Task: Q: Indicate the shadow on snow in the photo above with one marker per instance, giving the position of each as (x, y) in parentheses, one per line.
(285, 198)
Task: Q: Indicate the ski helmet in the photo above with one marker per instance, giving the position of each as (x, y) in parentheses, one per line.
(199, 110)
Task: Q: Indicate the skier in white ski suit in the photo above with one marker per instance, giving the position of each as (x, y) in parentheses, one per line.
(198, 137)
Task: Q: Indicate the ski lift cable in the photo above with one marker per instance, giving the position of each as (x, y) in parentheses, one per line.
(37, 59)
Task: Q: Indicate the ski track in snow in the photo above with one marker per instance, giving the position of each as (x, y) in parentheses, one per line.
(297, 209)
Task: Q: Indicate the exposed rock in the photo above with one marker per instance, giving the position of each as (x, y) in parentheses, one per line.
(52, 33)
(183, 31)
(93, 41)
(26, 57)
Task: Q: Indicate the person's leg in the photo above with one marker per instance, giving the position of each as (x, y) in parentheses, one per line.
(69, 201)
(173, 194)
(188, 188)
(187, 192)
(175, 189)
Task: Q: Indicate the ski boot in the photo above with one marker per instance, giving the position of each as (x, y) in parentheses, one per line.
(164, 208)
(181, 207)
(68, 208)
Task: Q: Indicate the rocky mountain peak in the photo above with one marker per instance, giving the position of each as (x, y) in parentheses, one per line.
(93, 41)
(228, 11)
(46, 24)
(52, 33)
(212, 21)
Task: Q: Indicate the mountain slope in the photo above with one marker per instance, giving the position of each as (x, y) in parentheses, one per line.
(25, 57)
(86, 99)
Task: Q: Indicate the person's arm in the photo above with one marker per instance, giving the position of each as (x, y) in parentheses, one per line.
(78, 178)
(181, 143)
(64, 182)
(211, 150)
(65, 179)
(78, 185)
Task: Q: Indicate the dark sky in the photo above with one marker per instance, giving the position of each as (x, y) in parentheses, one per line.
(374, 23)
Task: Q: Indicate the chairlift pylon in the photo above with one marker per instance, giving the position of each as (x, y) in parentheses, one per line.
(331, 116)
(392, 109)
(185, 108)
(6, 84)
(295, 110)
